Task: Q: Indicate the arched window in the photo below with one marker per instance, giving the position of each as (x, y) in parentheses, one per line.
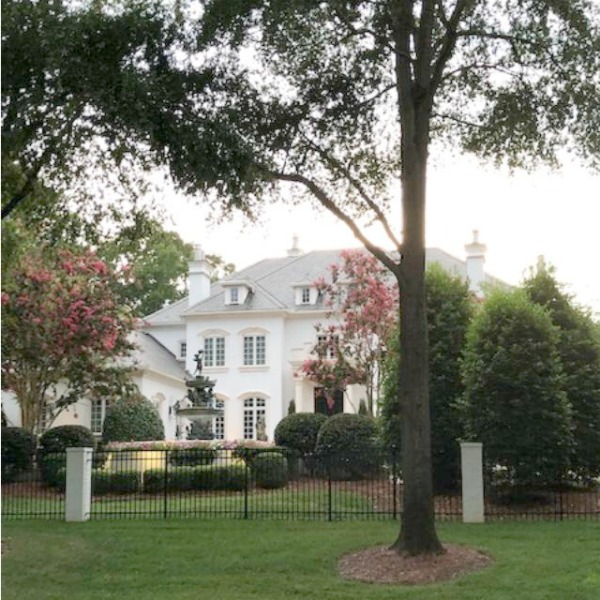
(254, 409)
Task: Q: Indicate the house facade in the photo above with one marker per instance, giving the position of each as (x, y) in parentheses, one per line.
(256, 328)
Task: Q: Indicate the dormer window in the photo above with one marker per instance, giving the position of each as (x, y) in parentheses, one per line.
(237, 292)
(305, 293)
(182, 349)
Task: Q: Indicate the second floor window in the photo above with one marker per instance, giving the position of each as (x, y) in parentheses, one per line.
(214, 352)
(327, 346)
(255, 350)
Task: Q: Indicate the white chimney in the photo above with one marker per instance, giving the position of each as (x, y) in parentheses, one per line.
(198, 277)
(475, 260)
(294, 250)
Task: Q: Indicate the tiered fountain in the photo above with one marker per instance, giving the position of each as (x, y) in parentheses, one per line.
(199, 403)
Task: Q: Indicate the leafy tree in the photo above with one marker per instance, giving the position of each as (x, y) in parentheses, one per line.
(514, 399)
(579, 350)
(335, 110)
(449, 313)
(156, 265)
(364, 304)
(62, 333)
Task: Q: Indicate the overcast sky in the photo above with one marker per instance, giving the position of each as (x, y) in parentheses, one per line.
(519, 218)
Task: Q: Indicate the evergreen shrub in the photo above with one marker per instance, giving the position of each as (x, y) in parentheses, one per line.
(299, 431)
(132, 420)
(347, 447)
(270, 470)
(18, 448)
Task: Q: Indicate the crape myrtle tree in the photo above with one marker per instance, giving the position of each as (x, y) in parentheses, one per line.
(239, 97)
(363, 305)
(63, 333)
(579, 351)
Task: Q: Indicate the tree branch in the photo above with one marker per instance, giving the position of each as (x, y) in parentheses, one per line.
(332, 207)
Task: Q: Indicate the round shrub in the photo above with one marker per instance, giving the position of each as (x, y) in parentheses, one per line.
(18, 447)
(192, 457)
(53, 446)
(132, 420)
(347, 447)
(270, 470)
(299, 431)
(58, 439)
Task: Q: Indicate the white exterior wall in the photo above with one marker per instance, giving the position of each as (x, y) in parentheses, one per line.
(170, 336)
(236, 382)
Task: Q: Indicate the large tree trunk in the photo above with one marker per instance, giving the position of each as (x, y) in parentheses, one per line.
(417, 533)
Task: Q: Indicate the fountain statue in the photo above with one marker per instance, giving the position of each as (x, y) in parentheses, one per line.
(199, 403)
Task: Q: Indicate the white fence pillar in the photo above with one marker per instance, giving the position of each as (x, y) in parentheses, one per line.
(78, 496)
(471, 458)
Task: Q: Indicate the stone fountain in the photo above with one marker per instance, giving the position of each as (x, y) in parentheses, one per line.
(199, 403)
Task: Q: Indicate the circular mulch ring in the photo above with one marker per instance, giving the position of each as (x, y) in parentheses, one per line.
(382, 565)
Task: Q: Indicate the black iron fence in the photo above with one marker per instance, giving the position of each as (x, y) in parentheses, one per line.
(251, 484)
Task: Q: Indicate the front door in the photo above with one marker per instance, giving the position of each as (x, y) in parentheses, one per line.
(329, 408)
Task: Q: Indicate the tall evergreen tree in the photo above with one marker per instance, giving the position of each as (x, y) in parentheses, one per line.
(579, 350)
(514, 399)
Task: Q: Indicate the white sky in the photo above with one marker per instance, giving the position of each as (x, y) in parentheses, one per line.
(519, 217)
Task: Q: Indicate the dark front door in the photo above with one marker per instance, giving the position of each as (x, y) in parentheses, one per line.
(333, 407)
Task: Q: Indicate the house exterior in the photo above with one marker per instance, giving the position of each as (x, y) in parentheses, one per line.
(256, 328)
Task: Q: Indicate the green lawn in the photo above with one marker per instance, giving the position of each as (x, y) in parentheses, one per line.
(199, 559)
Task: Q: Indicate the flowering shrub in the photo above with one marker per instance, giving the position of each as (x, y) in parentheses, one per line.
(188, 444)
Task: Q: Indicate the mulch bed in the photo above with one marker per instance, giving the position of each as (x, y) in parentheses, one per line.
(382, 565)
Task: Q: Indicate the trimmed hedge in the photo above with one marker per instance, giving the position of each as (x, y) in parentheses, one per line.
(299, 431)
(270, 470)
(53, 446)
(132, 420)
(104, 482)
(202, 478)
(347, 447)
(192, 457)
(18, 448)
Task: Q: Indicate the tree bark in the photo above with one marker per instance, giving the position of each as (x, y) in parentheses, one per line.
(417, 533)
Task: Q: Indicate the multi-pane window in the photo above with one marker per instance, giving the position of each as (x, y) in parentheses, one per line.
(98, 413)
(182, 349)
(254, 409)
(327, 345)
(305, 295)
(255, 350)
(234, 295)
(214, 352)
(219, 422)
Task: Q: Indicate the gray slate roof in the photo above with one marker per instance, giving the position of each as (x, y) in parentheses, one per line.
(150, 355)
(273, 280)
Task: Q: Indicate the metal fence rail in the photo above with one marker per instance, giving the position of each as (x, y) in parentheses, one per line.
(247, 484)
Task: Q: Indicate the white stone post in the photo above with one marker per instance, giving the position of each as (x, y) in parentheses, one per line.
(78, 497)
(472, 482)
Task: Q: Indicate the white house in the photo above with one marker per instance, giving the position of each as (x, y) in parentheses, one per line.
(256, 328)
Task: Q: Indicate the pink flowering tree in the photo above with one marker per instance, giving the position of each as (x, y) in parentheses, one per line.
(363, 307)
(63, 333)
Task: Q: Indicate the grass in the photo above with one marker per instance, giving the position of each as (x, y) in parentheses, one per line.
(226, 560)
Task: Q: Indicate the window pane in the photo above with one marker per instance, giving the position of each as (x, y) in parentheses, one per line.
(219, 352)
(97, 414)
(248, 350)
(260, 350)
(209, 352)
